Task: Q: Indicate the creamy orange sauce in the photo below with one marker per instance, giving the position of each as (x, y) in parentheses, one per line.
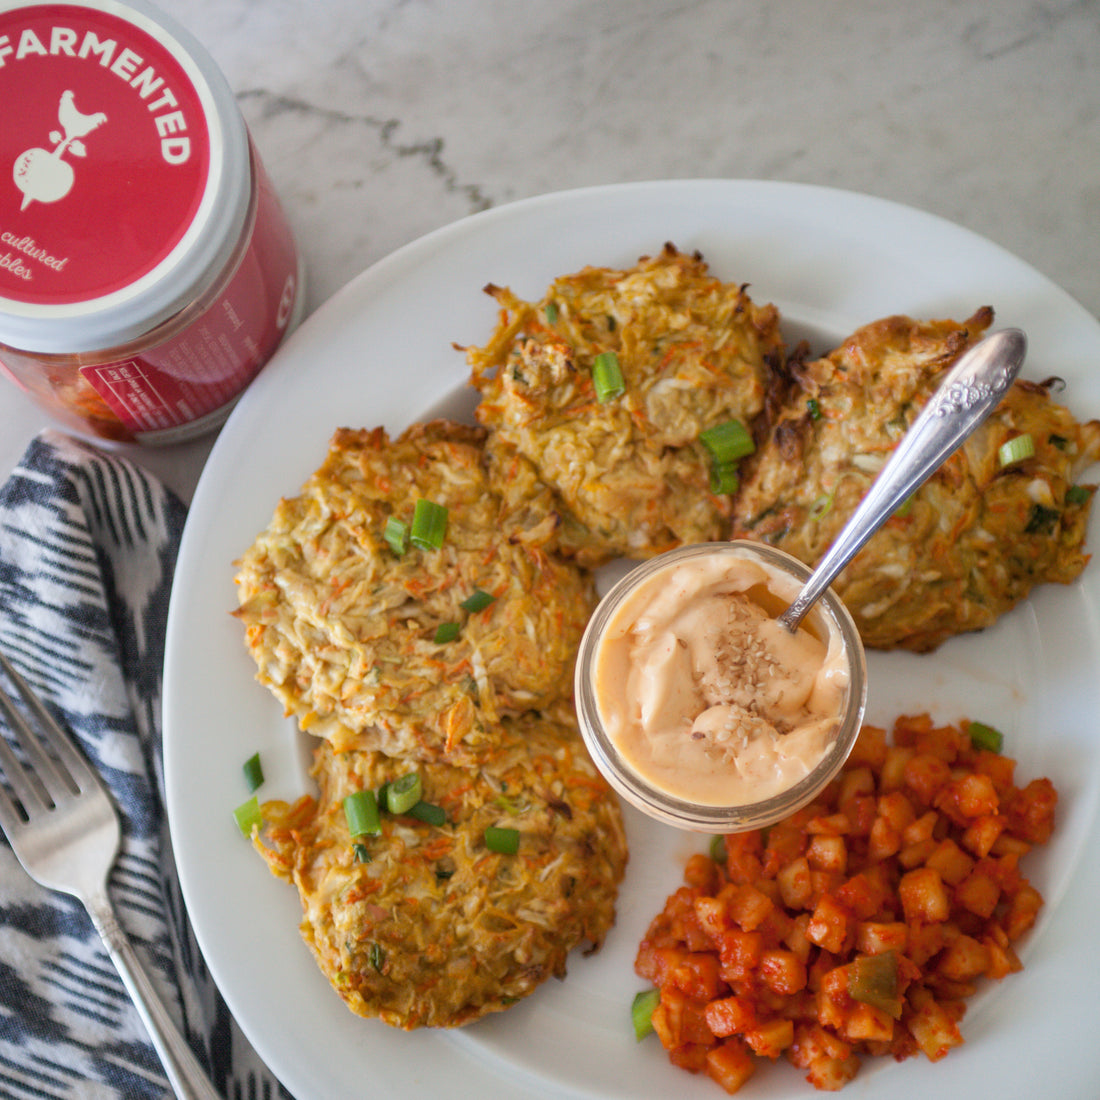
(705, 695)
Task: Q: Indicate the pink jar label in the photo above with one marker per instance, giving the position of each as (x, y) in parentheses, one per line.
(106, 161)
(203, 369)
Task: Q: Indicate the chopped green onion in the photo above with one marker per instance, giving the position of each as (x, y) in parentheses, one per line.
(906, 506)
(1058, 441)
(813, 407)
(476, 601)
(253, 772)
(429, 525)
(718, 851)
(607, 377)
(1042, 520)
(248, 816)
(501, 840)
(641, 1012)
(446, 632)
(723, 478)
(396, 534)
(727, 442)
(551, 312)
(377, 957)
(822, 506)
(428, 812)
(1078, 494)
(361, 811)
(985, 737)
(361, 853)
(404, 793)
(1016, 449)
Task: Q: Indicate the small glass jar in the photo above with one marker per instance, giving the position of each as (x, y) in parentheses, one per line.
(828, 621)
(147, 271)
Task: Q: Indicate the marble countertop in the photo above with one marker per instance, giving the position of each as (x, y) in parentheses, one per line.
(380, 120)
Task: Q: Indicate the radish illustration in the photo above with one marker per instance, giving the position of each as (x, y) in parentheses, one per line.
(41, 174)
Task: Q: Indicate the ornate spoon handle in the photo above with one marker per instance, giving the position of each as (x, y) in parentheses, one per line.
(969, 392)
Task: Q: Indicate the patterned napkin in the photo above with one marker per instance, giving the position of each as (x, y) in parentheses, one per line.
(88, 545)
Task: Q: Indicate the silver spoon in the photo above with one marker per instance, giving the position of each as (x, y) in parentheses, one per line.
(970, 391)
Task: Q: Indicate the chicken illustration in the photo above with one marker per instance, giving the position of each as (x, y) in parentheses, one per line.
(42, 175)
(73, 122)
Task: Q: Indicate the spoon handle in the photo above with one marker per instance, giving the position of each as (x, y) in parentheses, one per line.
(970, 391)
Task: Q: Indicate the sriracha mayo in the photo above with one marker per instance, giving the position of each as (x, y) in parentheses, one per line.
(699, 707)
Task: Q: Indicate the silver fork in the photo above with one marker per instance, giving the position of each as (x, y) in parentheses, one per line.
(64, 829)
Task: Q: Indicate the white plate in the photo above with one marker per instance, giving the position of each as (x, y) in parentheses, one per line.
(380, 352)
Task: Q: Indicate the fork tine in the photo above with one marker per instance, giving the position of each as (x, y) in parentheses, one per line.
(28, 796)
(60, 777)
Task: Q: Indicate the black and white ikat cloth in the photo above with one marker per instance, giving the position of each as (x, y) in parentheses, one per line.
(87, 550)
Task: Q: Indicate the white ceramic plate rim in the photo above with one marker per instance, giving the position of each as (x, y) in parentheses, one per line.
(380, 352)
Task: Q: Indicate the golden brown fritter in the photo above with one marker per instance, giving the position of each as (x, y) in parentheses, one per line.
(974, 540)
(626, 476)
(425, 925)
(343, 628)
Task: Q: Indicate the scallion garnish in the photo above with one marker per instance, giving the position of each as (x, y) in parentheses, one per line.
(253, 772)
(396, 534)
(476, 601)
(377, 957)
(985, 737)
(1016, 449)
(607, 377)
(813, 407)
(1042, 520)
(727, 442)
(446, 632)
(361, 811)
(723, 477)
(551, 312)
(821, 507)
(718, 851)
(1078, 494)
(641, 1012)
(361, 853)
(429, 525)
(502, 840)
(248, 816)
(428, 812)
(404, 793)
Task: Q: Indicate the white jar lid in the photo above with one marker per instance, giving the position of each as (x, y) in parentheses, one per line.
(125, 175)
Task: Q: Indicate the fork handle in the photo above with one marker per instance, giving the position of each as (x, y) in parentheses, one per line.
(188, 1078)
